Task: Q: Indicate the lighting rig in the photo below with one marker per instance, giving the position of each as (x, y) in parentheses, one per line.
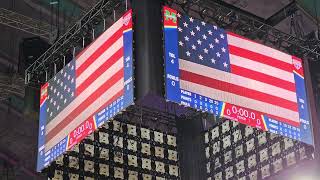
(102, 15)
(124, 148)
(237, 151)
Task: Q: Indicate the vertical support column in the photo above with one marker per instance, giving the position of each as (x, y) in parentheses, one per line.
(148, 48)
(191, 149)
(313, 111)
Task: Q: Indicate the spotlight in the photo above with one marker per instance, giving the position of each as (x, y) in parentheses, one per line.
(73, 176)
(159, 152)
(89, 166)
(240, 167)
(132, 160)
(132, 145)
(58, 175)
(73, 162)
(145, 133)
(225, 127)
(104, 169)
(145, 148)
(103, 137)
(132, 130)
(118, 172)
(173, 170)
(171, 140)
(172, 155)
(146, 163)
(158, 137)
(104, 154)
(133, 175)
(160, 167)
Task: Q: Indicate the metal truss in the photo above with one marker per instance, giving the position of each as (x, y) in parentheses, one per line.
(40, 69)
(24, 23)
(217, 12)
(12, 84)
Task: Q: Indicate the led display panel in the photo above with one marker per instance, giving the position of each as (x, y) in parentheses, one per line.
(87, 92)
(220, 72)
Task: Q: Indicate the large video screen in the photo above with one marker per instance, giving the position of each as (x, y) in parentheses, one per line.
(87, 92)
(220, 72)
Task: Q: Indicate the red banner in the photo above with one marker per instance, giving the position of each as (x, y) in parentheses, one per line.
(243, 115)
(170, 17)
(82, 131)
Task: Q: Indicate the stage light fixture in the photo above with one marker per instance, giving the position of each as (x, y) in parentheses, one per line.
(147, 177)
(225, 127)
(173, 170)
(145, 148)
(277, 165)
(237, 136)
(262, 138)
(253, 175)
(117, 126)
(239, 151)
(208, 167)
(104, 154)
(217, 163)
(216, 147)
(248, 131)
(118, 141)
(118, 172)
(158, 137)
(218, 176)
(103, 137)
(288, 143)
(159, 152)
(89, 166)
(160, 167)
(250, 145)
(215, 133)
(58, 175)
(133, 175)
(89, 150)
(171, 140)
(146, 163)
(172, 155)
(229, 172)
(132, 145)
(252, 161)
(73, 176)
(118, 157)
(227, 157)
(208, 152)
(73, 162)
(291, 159)
(132, 130)
(275, 149)
(206, 137)
(240, 167)
(145, 133)
(265, 171)
(226, 141)
(59, 160)
(132, 160)
(263, 155)
(104, 169)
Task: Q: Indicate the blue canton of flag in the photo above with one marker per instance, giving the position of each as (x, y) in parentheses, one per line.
(61, 90)
(203, 43)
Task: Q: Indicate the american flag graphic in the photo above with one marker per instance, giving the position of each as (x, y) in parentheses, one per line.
(89, 83)
(230, 68)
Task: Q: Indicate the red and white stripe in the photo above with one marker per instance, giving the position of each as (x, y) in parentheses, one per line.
(261, 78)
(99, 81)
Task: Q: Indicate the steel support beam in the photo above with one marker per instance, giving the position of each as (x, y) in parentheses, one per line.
(72, 38)
(24, 23)
(283, 13)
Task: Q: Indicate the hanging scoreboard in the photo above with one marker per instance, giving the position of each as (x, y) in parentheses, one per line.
(87, 92)
(212, 70)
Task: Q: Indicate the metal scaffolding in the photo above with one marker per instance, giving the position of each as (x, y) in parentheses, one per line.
(26, 24)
